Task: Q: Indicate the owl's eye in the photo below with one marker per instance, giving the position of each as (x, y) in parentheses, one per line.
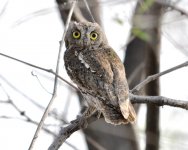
(76, 34)
(93, 36)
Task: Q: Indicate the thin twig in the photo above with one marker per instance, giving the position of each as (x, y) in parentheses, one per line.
(36, 76)
(134, 74)
(156, 76)
(20, 92)
(33, 15)
(23, 114)
(89, 11)
(52, 113)
(4, 8)
(173, 6)
(41, 68)
(94, 143)
(29, 120)
(178, 46)
(55, 82)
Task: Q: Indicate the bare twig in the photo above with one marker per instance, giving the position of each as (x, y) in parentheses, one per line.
(95, 144)
(20, 92)
(33, 15)
(89, 11)
(135, 73)
(173, 6)
(52, 113)
(65, 132)
(36, 76)
(4, 8)
(174, 43)
(158, 100)
(22, 113)
(156, 76)
(41, 68)
(55, 82)
(29, 119)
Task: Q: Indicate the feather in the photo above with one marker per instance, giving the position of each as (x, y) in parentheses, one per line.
(127, 110)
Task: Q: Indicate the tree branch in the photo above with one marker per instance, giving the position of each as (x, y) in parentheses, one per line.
(168, 4)
(29, 120)
(55, 80)
(137, 88)
(40, 68)
(158, 100)
(75, 126)
(65, 132)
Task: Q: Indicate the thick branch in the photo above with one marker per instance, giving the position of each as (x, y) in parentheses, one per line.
(64, 133)
(75, 126)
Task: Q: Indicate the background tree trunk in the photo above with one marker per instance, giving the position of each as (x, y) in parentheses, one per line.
(142, 59)
(152, 67)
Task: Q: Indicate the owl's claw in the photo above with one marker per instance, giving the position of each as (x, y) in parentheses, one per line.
(98, 114)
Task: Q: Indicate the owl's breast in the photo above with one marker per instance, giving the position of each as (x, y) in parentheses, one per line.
(78, 69)
(92, 72)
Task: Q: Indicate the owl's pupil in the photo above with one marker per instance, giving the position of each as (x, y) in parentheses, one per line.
(94, 35)
(76, 34)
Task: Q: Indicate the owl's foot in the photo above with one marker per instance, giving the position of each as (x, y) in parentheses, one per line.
(98, 114)
(81, 120)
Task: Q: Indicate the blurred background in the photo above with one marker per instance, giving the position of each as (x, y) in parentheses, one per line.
(149, 36)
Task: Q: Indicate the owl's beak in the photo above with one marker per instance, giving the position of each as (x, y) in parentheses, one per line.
(86, 42)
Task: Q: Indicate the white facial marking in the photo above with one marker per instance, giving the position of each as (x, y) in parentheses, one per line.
(69, 69)
(80, 57)
(76, 53)
(93, 71)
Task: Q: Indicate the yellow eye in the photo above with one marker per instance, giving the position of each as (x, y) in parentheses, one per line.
(76, 34)
(93, 36)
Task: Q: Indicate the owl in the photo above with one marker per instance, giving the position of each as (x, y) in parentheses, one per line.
(98, 73)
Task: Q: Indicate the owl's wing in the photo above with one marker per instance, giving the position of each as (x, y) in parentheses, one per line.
(110, 80)
(121, 86)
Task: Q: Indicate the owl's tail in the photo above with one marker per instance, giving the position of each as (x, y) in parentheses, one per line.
(128, 111)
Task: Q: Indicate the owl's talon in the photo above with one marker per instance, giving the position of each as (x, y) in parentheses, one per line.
(98, 114)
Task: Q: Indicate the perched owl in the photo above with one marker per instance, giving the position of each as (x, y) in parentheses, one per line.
(98, 72)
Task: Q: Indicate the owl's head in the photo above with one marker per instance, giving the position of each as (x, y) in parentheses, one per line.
(84, 34)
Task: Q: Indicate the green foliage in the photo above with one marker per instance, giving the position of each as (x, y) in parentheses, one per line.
(140, 34)
(118, 20)
(146, 5)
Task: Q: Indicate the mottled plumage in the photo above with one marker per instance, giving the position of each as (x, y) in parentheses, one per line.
(98, 72)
